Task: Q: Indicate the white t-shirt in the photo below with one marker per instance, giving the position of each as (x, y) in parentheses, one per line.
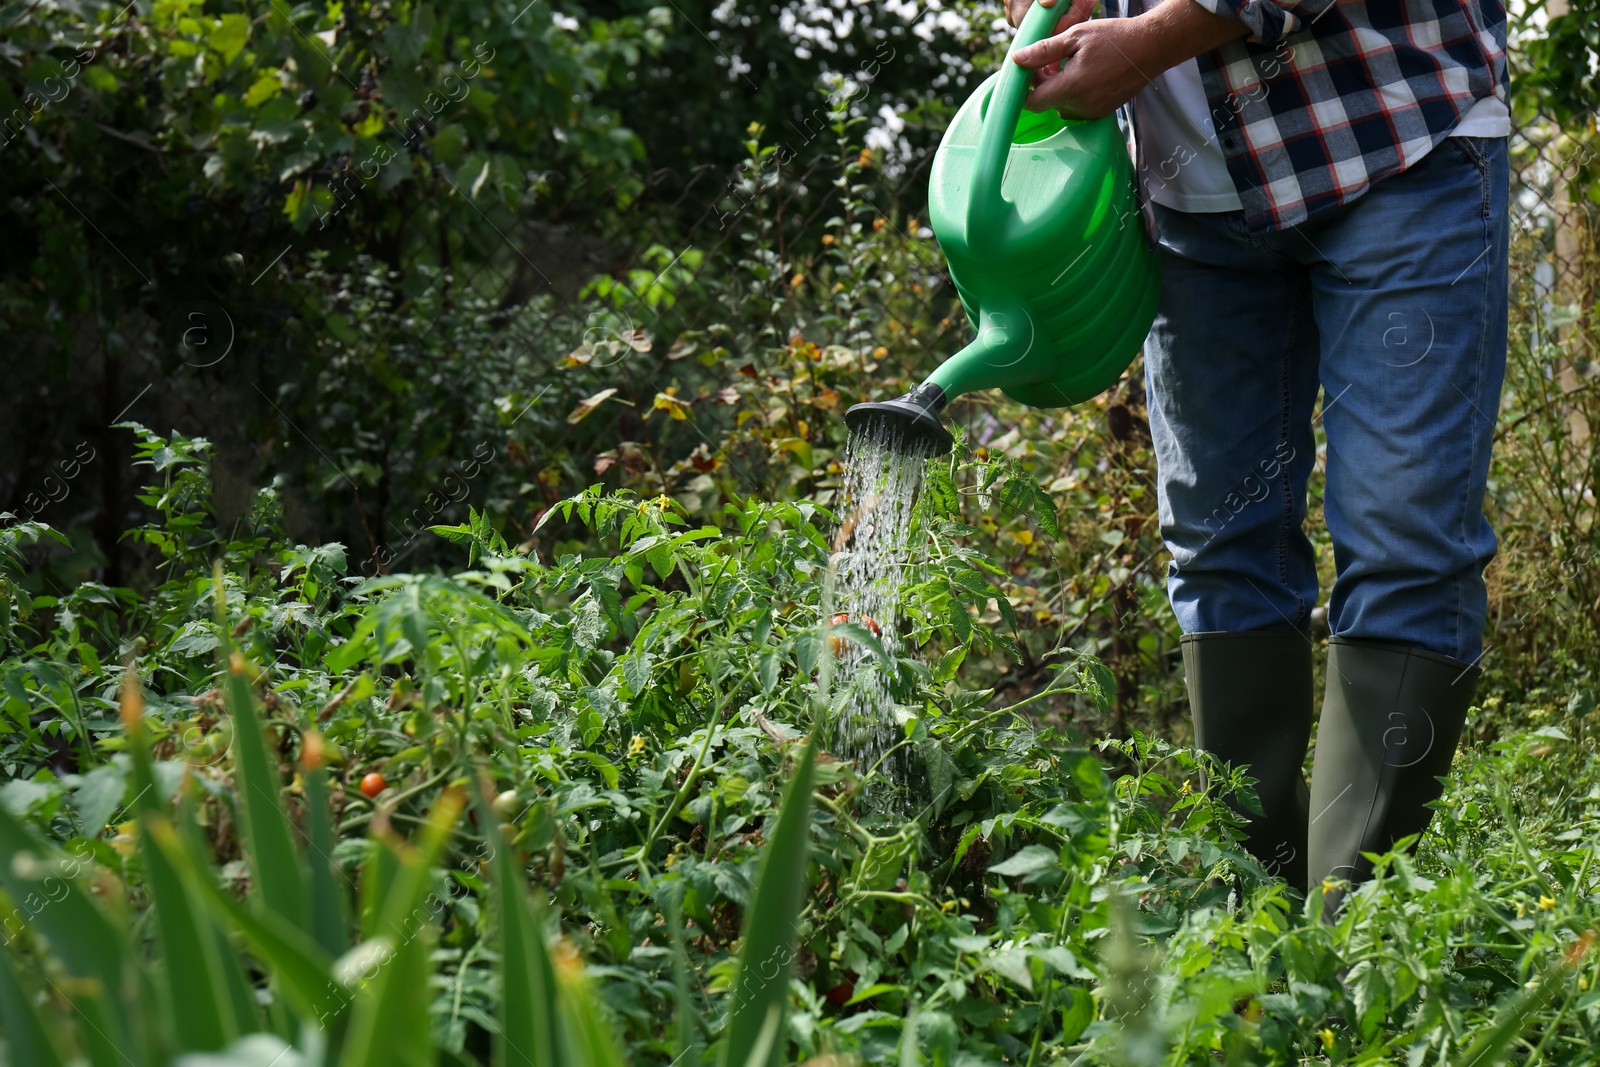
(1184, 167)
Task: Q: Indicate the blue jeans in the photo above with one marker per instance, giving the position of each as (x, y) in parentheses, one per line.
(1395, 305)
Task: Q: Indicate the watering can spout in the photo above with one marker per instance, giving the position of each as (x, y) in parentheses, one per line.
(908, 423)
(1005, 339)
(911, 422)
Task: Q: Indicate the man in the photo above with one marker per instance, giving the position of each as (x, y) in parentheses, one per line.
(1328, 188)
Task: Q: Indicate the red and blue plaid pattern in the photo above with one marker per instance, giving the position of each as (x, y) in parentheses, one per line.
(1325, 98)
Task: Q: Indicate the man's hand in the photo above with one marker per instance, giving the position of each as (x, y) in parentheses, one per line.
(1076, 12)
(1092, 67)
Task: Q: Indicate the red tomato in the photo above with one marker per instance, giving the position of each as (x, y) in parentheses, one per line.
(373, 784)
(837, 645)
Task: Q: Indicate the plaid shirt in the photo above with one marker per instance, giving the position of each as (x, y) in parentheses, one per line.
(1326, 97)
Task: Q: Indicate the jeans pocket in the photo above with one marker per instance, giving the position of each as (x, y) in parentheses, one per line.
(1475, 150)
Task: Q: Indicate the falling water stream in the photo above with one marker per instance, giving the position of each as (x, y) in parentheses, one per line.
(868, 570)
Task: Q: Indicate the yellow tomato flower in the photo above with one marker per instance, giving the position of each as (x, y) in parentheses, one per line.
(1547, 903)
(1327, 1038)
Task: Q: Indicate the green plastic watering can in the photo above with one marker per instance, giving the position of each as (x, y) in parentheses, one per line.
(1038, 217)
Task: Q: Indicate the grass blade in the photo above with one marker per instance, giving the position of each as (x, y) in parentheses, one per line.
(586, 1030)
(327, 895)
(90, 947)
(390, 1023)
(529, 1015)
(98, 1035)
(276, 869)
(766, 1038)
(378, 876)
(202, 1017)
(40, 881)
(27, 1036)
(300, 969)
(236, 984)
(761, 982)
(909, 1056)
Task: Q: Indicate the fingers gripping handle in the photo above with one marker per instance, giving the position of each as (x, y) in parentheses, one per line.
(987, 208)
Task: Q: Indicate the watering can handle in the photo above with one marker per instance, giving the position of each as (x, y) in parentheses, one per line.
(987, 208)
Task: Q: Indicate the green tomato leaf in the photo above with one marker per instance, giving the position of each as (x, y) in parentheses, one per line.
(1032, 864)
(229, 38)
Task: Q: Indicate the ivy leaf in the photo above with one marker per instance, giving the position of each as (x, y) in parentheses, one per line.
(265, 88)
(229, 38)
(1033, 864)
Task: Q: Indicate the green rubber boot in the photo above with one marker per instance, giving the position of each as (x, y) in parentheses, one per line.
(1391, 718)
(1251, 697)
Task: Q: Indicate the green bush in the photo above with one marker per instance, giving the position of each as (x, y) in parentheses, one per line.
(627, 716)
